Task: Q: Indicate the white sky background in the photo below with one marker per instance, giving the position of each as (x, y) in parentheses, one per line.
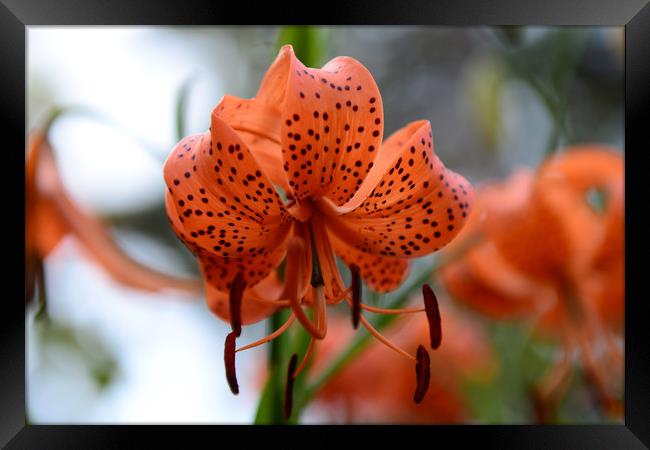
(169, 349)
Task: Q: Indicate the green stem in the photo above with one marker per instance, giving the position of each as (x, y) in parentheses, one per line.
(181, 107)
(270, 409)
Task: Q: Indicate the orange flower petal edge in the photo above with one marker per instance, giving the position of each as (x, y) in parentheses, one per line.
(51, 214)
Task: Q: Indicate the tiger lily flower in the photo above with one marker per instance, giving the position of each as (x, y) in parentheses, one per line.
(546, 254)
(50, 215)
(315, 135)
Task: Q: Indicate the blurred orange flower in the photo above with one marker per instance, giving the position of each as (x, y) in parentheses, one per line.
(537, 249)
(316, 134)
(382, 397)
(50, 215)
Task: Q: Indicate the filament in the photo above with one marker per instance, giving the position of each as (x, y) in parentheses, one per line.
(271, 336)
(384, 340)
(305, 359)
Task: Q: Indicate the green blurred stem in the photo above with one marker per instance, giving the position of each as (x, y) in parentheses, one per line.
(557, 111)
(554, 100)
(181, 108)
(270, 408)
(309, 43)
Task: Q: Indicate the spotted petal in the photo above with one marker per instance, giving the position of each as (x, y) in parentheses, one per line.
(380, 273)
(224, 204)
(257, 123)
(257, 302)
(332, 124)
(416, 208)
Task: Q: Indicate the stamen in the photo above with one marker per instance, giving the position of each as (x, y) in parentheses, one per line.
(293, 287)
(306, 358)
(356, 295)
(288, 392)
(271, 336)
(325, 255)
(229, 358)
(319, 306)
(279, 303)
(295, 269)
(319, 329)
(377, 310)
(433, 316)
(383, 339)
(236, 292)
(422, 373)
(343, 295)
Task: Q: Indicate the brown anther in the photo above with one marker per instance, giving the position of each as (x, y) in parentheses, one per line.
(433, 316)
(356, 295)
(423, 374)
(229, 359)
(236, 292)
(288, 392)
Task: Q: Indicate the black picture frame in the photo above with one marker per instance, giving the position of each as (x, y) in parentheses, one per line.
(17, 15)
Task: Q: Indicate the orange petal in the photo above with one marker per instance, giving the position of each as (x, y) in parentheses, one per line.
(218, 271)
(332, 124)
(389, 150)
(256, 301)
(484, 280)
(416, 208)
(582, 168)
(380, 273)
(599, 273)
(586, 166)
(258, 124)
(44, 227)
(224, 203)
(524, 226)
(49, 228)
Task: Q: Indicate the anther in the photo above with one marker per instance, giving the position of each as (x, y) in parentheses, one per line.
(229, 359)
(356, 295)
(288, 392)
(236, 292)
(433, 316)
(422, 373)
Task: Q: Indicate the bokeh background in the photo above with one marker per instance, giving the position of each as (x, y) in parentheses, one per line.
(497, 99)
